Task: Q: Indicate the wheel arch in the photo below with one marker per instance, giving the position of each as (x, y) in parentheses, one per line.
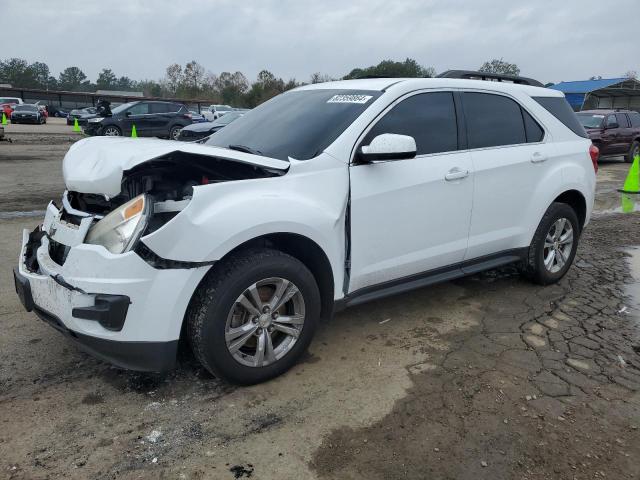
(298, 246)
(575, 200)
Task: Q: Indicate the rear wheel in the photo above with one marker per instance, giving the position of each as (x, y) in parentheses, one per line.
(111, 131)
(554, 244)
(254, 317)
(175, 132)
(633, 151)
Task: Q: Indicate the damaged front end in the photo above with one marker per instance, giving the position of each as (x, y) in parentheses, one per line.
(86, 272)
(152, 193)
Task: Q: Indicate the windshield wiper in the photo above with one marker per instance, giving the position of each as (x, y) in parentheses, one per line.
(245, 149)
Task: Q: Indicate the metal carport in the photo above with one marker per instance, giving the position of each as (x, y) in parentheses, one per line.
(602, 93)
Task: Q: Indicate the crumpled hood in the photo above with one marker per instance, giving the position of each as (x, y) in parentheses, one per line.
(95, 165)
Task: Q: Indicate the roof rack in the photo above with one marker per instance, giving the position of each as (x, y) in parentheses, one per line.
(497, 77)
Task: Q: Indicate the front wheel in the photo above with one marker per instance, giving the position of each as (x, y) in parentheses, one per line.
(254, 316)
(111, 131)
(554, 244)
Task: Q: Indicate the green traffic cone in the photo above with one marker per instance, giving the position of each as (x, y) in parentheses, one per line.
(76, 127)
(4, 119)
(632, 183)
(134, 134)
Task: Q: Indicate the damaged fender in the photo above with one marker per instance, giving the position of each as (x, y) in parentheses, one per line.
(223, 216)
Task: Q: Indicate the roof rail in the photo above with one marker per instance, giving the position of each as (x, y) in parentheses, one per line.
(498, 77)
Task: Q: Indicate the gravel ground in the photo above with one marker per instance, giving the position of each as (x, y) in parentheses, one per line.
(487, 377)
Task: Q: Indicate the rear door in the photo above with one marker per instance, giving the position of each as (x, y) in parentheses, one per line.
(509, 158)
(626, 133)
(412, 216)
(161, 117)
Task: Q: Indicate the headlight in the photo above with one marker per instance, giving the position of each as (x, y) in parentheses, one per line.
(95, 120)
(119, 230)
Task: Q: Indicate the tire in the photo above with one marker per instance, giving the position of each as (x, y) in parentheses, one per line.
(111, 131)
(633, 151)
(174, 133)
(551, 235)
(214, 312)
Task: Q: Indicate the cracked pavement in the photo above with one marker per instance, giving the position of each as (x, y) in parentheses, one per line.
(486, 377)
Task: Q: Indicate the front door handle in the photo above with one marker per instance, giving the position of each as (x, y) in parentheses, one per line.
(456, 174)
(538, 157)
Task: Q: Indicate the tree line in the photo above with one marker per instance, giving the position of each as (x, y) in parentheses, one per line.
(193, 81)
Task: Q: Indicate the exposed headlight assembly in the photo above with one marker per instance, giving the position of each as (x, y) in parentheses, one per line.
(121, 228)
(95, 120)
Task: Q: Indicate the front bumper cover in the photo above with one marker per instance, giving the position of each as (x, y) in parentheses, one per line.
(117, 307)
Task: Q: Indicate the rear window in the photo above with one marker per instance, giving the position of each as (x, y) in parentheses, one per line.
(635, 119)
(493, 120)
(560, 108)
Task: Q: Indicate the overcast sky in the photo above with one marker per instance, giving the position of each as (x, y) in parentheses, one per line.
(549, 40)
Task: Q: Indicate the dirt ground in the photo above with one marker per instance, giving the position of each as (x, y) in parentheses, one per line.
(487, 377)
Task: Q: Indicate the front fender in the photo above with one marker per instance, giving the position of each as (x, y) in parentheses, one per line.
(307, 201)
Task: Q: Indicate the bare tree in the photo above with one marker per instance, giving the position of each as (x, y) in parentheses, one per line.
(631, 74)
(500, 66)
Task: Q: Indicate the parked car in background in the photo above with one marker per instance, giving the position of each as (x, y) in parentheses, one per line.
(614, 132)
(327, 196)
(196, 117)
(202, 130)
(27, 113)
(57, 111)
(82, 115)
(11, 100)
(7, 109)
(213, 112)
(151, 118)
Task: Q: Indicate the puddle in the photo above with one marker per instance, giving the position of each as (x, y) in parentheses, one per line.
(633, 289)
(31, 213)
(627, 203)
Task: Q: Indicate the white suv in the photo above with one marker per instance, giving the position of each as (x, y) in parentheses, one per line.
(352, 191)
(213, 112)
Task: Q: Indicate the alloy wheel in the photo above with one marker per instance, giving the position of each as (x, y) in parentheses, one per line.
(111, 132)
(557, 245)
(265, 322)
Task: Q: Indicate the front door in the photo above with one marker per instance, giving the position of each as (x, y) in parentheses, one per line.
(411, 216)
(140, 116)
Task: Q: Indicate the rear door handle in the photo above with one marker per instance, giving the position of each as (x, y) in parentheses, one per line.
(456, 174)
(538, 157)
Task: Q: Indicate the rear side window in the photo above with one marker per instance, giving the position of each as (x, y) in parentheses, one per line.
(493, 120)
(430, 118)
(635, 119)
(622, 120)
(560, 108)
(533, 130)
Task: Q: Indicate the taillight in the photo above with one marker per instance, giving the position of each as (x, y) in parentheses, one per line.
(594, 152)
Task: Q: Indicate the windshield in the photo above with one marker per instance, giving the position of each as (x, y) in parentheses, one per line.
(298, 124)
(589, 120)
(227, 118)
(26, 108)
(123, 107)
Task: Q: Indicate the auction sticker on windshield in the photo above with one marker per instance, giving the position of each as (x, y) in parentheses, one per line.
(350, 99)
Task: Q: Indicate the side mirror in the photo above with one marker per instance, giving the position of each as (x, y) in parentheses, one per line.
(127, 113)
(388, 146)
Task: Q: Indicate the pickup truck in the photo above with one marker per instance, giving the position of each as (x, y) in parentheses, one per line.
(614, 132)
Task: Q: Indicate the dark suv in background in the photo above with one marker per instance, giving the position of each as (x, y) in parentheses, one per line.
(152, 119)
(614, 132)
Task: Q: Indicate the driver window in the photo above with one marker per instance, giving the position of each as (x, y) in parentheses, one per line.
(611, 121)
(139, 109)
(430, 118)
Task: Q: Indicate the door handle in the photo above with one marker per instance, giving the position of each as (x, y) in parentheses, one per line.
(456, 174)
(538, 157)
